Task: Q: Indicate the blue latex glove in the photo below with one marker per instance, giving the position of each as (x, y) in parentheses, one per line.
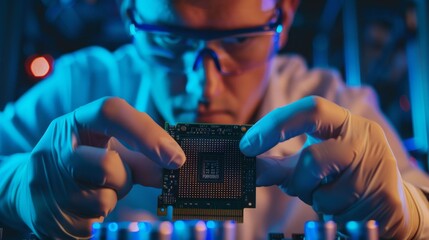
(79, 170)
(346, 169)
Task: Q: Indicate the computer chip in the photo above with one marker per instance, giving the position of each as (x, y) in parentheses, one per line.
(217, 181)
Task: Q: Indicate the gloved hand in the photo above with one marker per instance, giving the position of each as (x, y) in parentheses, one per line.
(79, 170)
(346, 168)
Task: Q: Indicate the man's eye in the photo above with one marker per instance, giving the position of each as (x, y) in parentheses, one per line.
(236, 40)
(169, 40)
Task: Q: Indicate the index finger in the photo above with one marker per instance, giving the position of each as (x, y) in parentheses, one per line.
(313, 115)
(114, 117)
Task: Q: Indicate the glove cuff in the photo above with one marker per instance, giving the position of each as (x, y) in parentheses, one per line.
(12, 183)
(419, 211)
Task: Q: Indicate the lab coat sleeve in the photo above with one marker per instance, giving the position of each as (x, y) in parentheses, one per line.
(291, 80)
(76, 80)
(24, 121)
(363, 101)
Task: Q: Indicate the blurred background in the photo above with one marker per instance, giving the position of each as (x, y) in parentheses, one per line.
(381, 43)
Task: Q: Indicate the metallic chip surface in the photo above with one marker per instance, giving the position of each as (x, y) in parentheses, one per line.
(217, 181)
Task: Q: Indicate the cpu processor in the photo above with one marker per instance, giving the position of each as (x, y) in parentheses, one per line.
(217, 181)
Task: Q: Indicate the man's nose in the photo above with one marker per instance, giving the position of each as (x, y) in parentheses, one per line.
(213, 82)
(203, 54)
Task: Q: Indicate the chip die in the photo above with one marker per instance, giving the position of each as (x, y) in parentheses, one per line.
(217, 181)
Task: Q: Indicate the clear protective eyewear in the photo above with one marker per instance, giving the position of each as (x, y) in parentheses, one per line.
(183, 49)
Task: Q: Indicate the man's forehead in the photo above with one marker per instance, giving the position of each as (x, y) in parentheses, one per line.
(214, 14)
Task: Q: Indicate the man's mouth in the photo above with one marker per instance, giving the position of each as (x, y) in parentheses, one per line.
(204, 115)
(185, 115)
(211, 113)
(217, 116)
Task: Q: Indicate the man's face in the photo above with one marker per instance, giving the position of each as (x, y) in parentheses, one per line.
(203, 95)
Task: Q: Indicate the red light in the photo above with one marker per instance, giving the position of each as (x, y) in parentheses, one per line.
(39, 67)
(404, 103)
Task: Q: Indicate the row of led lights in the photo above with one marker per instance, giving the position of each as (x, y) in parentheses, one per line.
(315, 230)
(165, 230)
(213, 230)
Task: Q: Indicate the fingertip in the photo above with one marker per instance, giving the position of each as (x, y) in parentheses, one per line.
(173, 156)
(260, 138)
(286, 189)
(176, 161)
(245, 146)
(251, 145)
(263, 181)
(273, 170)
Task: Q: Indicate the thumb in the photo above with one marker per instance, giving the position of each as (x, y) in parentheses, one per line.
(276, 170)
(312, 115)
(143, 170)
(318, 165)
(272, 170)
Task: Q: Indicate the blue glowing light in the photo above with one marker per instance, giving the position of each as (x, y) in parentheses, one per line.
(351, 44)
(416, 81)
(311, 225)
(179, 225)
(144, 226)
(132, 29)
(279, 29)
(96, 226)
(113, 227)
(311, 230)
(352, 226)
(211, 224)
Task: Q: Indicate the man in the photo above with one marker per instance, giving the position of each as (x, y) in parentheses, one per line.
(70, 153)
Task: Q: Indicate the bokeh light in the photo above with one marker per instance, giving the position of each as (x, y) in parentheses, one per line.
(39, 66)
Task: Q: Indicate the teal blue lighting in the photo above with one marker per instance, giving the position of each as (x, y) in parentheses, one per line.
(96, 226)
(132, 29)
(420, 140)
(179, 226)
(311, 230)
(311, 225)
(351, 44)
(211, 224)
(144, 227)
(113, 227)
(96, 230)
(352, 226)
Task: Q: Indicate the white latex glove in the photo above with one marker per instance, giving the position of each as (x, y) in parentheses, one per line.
(346, 169)
(77, 172)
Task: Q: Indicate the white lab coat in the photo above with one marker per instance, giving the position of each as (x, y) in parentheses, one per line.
(92, 73)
